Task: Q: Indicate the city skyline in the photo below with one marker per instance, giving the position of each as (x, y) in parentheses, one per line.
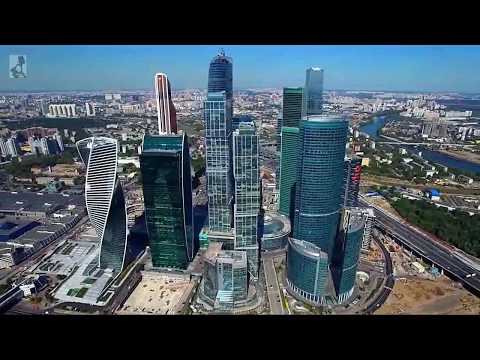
(359, 67)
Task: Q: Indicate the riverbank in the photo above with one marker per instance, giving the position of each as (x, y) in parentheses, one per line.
(463, 155)
(372, 180)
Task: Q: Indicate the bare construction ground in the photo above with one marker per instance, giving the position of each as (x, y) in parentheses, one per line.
(429, 297)
(159, 293)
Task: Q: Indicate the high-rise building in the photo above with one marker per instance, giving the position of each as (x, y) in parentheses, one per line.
(369, 216)
(167, 116)
(289, 133)
(105, 200)
(220, 78)
(313, 92)
(43, 107)
(218, 129)
(247, 192)
(288, 171)
(307, 270)
(353, 169)
(292, 106)
(3, 148)
(59, 140)
(90, 109)
(12, 147)
(319, 187)
(225, 279)
(344, 267)
(61, 110)
(167, 192)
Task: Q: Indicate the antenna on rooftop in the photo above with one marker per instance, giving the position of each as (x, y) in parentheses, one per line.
(222, 52)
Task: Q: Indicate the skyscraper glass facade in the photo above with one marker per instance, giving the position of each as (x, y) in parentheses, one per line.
(220, 78)
(167, 191)
(288, 171)
(292, 106)
(350, 242)
(319, 187)
(353, 170)
(104, 199)
(218, 128)
(307, 270)
(313, 92)
(247, 192)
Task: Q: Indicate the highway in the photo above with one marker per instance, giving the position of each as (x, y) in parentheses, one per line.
(427, 247)
(388, 286)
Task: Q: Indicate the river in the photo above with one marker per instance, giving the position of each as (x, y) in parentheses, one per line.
(434, 156)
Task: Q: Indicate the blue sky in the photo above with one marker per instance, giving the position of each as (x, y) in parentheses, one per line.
(362, 67)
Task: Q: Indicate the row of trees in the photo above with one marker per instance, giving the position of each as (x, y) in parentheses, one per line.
(455, 227)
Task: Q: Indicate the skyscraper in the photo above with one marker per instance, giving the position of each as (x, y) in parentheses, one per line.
(313, 92)
(12, 147)
(289, 133)
(350, 237)
(288, 171)
(59, 140)
(104, 199)
(167, 192)
(353, 169)
(3, 148)
(247, 192)
(220, 78)
(319, 186)
(307, 270)
(292, 106)
(167, 116)
(218, 129)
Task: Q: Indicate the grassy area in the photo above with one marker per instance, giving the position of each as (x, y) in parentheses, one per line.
(456, 228)
(89, 281)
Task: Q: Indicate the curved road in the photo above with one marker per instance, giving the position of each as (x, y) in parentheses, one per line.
(388, 286)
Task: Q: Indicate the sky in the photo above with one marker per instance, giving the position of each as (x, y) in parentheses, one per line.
(360, 67)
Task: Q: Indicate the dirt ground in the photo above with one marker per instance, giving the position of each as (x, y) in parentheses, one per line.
(429, 297)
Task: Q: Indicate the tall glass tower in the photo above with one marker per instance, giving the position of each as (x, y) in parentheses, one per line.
(167, 192)
(349, 244)
(353, 170)
(292, 106)
(104, 199)
(313, 92)
(218, 131)
(167, 116)
(220, 78)
(319, 187)
(247, 192)
(288, 171)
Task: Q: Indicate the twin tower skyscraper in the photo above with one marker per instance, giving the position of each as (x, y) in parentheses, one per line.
(324, 246)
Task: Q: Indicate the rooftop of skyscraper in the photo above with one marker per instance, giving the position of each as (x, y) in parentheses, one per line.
(170, 142)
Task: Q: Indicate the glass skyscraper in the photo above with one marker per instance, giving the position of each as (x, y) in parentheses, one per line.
(307, 270)
(289, 131)
(350, 238)
(167, 192)
(313, 92)
(104, 199)
(220, 78)
(292, 106)
(167, 116)
(288, 171)
(353, 170)
(218, 130)
(319, 187)
(247, 192)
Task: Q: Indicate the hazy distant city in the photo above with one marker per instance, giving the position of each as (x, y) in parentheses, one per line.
(276, 201)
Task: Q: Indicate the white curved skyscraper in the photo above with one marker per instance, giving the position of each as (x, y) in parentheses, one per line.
(104, 199)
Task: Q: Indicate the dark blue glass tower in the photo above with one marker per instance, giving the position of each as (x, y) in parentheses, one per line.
(319, 186)
(350, 237)
(220, 78)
